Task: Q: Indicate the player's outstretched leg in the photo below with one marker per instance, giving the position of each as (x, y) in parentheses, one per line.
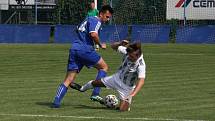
(61, 91)
(96, 90)
(76, 86)
(80, 88)
(87, 86)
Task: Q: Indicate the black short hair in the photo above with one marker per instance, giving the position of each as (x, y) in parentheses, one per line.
(106, 8)
(134, 47)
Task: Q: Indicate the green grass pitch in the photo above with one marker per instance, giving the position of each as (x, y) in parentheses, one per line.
(180, 84)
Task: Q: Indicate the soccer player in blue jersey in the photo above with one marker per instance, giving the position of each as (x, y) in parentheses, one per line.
(82, 53)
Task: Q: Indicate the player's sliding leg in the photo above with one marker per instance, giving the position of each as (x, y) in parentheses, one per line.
(62, 89)
(125, 99)
(87, 86)
(90, 85)
(83, 88)
(124, 105)
(75, 86)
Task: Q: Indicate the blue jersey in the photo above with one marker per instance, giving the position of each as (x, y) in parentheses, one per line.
(90, 24)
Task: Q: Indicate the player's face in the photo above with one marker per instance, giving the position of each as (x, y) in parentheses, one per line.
(133, 56)
(105, 16)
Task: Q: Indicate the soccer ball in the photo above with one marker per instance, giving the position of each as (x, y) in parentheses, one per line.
(111, 101)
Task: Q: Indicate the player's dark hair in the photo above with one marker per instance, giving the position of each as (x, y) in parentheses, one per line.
(106, 8)
(134, 47)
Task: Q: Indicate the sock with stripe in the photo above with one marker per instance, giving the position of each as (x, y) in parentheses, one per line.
(61, 91)
(101, 74)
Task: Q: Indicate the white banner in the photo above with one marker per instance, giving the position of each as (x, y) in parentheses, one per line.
(26, 2)
(194, 10)
(4, 5)
(4, 2)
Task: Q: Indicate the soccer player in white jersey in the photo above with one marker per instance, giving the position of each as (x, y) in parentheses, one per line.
(129, 78)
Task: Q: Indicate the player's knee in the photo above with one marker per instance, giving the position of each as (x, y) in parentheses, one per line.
(102, 65)
(105, 68)
(124, 109)
(70, 77)
(67, 83)
(124, 106)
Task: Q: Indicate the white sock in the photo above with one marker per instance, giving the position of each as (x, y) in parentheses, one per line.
(87, 86)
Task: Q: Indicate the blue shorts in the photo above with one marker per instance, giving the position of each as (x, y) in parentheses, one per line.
(79, 58)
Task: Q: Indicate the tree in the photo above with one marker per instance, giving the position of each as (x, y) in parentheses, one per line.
(140, 11)
(70, 11)
(129, 11)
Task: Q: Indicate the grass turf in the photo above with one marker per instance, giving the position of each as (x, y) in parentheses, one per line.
(179, 85)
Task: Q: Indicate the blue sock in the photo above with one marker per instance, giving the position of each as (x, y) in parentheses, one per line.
(100, 75)
(61, 91)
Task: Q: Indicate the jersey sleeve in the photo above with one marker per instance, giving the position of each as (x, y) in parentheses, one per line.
(142, 69)
(122, 50)
(93, 25)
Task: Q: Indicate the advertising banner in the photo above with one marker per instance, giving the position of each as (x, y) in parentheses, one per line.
(194, 9)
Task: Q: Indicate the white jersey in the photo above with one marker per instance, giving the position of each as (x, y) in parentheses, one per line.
(130, 71)
(124, 81)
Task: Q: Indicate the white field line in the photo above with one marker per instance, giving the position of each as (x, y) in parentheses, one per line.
(92, 117)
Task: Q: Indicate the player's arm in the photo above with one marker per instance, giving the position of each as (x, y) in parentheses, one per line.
(139, 85)
(94, 26)
(141, 77)
(115, 45)
(95, 38)
(120, 46)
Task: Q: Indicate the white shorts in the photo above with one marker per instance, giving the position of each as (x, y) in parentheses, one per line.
(115, 83)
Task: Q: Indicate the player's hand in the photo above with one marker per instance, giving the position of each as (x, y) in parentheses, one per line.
(132, 94)
(115, 45)
(103, 46)
(125, 43)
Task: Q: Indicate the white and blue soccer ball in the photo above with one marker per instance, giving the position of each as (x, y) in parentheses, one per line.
(111, 101)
